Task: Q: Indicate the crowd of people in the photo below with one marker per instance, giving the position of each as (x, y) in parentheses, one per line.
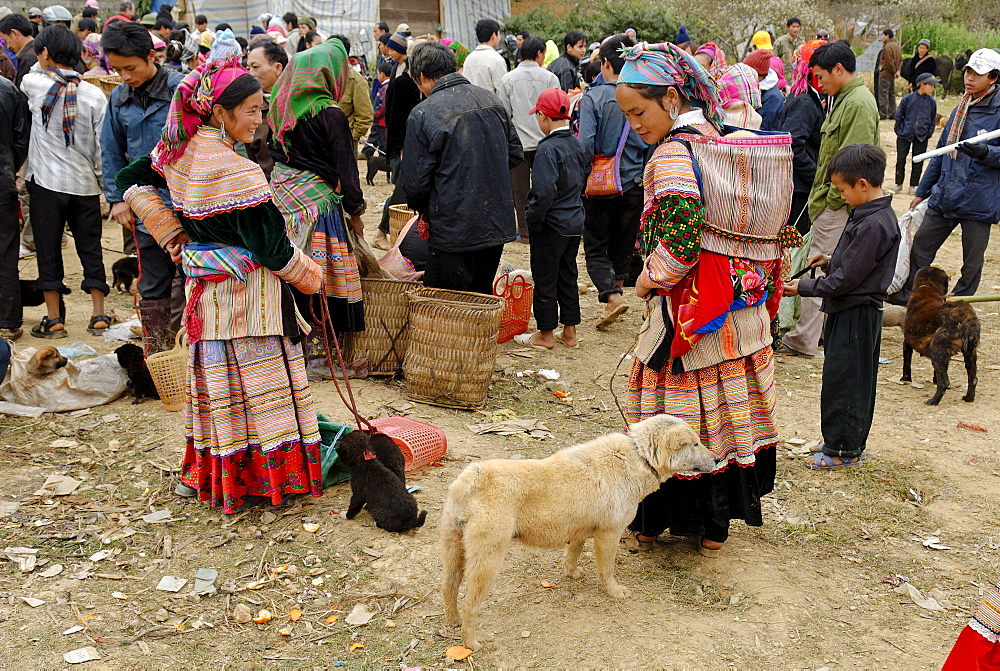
(230, 163)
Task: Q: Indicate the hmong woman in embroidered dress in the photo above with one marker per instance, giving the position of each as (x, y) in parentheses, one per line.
(978, 646)
(250, 420)
(315, 173)
(704, 355)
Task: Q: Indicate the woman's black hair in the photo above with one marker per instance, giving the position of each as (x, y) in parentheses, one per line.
(86, 23)
(64, 47)
(88, 13)
(239, 90)
(310, 36)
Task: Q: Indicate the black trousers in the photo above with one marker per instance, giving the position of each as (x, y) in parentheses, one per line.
(928, 239)
(11, 316)
(798, 216)
(902, 150)
(463, 271)
(609, 236)
(556, 297)
(398, 197)
(51, 211)
(157, 269)
(520, 184)
(852, 339)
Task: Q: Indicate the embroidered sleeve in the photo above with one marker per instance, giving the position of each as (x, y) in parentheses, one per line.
(674, 239)
(302, 273)
(148, 207)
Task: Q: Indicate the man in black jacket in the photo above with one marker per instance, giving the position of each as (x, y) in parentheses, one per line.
(802, 117)
(567, 66)
(15, 129)
(459, 146)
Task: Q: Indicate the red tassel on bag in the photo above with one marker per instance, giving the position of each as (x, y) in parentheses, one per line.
(423, 228)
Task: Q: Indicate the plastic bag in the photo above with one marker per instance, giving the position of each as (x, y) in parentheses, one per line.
(908, 223)
(330, 434)
(78, 385)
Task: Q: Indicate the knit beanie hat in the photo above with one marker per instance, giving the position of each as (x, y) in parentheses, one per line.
(759, 60)
(682, 36)
(397, 43)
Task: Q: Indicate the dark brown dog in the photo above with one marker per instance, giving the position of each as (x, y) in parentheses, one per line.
(124, 272)
(130, 357)
(45, 361)
(938, 329)
(376, 484)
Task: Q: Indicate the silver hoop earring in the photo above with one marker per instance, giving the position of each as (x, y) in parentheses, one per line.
(222, 130)
(673, 113)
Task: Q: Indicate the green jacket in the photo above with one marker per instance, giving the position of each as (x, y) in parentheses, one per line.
(854, 119)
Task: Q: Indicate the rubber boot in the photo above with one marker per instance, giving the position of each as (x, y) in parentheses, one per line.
(155, 318)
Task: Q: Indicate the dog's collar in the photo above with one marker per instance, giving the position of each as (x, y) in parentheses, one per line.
(367, 455)
(643, 458)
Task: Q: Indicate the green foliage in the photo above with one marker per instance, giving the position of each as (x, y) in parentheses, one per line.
(652, 22)
(946, 38)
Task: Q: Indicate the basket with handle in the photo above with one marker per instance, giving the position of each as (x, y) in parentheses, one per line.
(398, 216)
(169, 372)
(387, 317)
(517, 294)
(420, 443)
(452, 347)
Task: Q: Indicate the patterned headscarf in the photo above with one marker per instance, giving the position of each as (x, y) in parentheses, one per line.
(461, 51)
(740, 83)
(92, 45)
(192, 104)
(225, 45)
(666, 64)
(802, 75)
(190, 47)
(719, 64)
(312, 81)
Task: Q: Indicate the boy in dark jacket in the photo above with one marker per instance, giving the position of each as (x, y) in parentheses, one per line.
(555, 216)
(853, 291)
(915, 119)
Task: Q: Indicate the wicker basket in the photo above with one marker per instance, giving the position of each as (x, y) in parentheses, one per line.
(452, 348)
(108, 83)
(398, 216)
(169, 372)
(387, 316)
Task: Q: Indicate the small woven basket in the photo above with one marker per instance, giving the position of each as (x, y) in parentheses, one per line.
(387, 316)
(169, 372)
(452, 347)
(108, 83)
(398, 216)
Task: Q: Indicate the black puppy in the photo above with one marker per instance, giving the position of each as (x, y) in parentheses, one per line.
(377, 485)
(377, 161)
(130, 357)
(124, 271)
(387, 451)
(32, 297)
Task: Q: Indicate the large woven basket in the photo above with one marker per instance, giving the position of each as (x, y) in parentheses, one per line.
(108, 83)
(398, 216)
(452, 348)
(169, 372)
(387, 316)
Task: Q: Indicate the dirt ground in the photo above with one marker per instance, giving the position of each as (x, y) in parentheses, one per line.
(811, 588)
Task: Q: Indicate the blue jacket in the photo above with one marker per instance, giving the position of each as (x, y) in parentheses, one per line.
(131, 132)
(601, 123)
(916, 117)
(772, 102)
(965, 188)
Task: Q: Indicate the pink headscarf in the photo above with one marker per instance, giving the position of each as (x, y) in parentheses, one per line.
(192, 104)
(714, 51)
(740, 83)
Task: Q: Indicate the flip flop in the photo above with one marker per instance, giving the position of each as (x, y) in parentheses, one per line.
(632, 542)
(711, 553)
(611, 316)
(558, 337)
(525, 339)
(824, 462)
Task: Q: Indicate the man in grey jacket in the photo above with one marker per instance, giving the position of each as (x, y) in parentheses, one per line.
(519, 90)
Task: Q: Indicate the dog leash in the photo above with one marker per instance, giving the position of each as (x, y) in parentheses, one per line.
(802, 272)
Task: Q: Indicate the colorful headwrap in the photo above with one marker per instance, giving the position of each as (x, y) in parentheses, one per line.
(802, 74)
(92, 45)
(190, 47)
(312, 81)
(205, 39)
(192, 104)
(739, 82)
(225, 45)
(719, 64)
(666, 64)
(277, 30)
(461, 51)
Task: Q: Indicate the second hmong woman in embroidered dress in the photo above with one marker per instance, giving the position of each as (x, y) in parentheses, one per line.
(315, 177)
(250, 421)
(704, 354)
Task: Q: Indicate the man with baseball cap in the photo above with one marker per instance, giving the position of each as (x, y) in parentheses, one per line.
(961, 186)
(35, 16)
(916, 117)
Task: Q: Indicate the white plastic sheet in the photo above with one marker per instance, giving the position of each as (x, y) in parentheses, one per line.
(80, 385)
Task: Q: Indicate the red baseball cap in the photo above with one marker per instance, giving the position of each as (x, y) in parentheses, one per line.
(553, 103)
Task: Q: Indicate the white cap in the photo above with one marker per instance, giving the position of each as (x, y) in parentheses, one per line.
(984, 61)
(56, 13)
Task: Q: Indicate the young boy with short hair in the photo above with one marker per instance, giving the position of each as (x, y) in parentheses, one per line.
(916, 117)
(554, 216)
(853, 291)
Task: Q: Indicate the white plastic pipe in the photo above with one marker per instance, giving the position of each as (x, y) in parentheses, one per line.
(984, 137)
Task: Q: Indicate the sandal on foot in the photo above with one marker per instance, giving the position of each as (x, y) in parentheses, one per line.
(382, 242)
(711, 553)
(558, 335)
(94, 330)
(525, 339)
(824, 462)
(632, 542)
(44, 329)
(611, 315)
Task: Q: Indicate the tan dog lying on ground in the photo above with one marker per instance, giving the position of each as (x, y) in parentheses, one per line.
(586, 491)
(45, 361)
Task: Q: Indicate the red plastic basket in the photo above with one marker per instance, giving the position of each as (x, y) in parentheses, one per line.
(516, 294)
(421, 444)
